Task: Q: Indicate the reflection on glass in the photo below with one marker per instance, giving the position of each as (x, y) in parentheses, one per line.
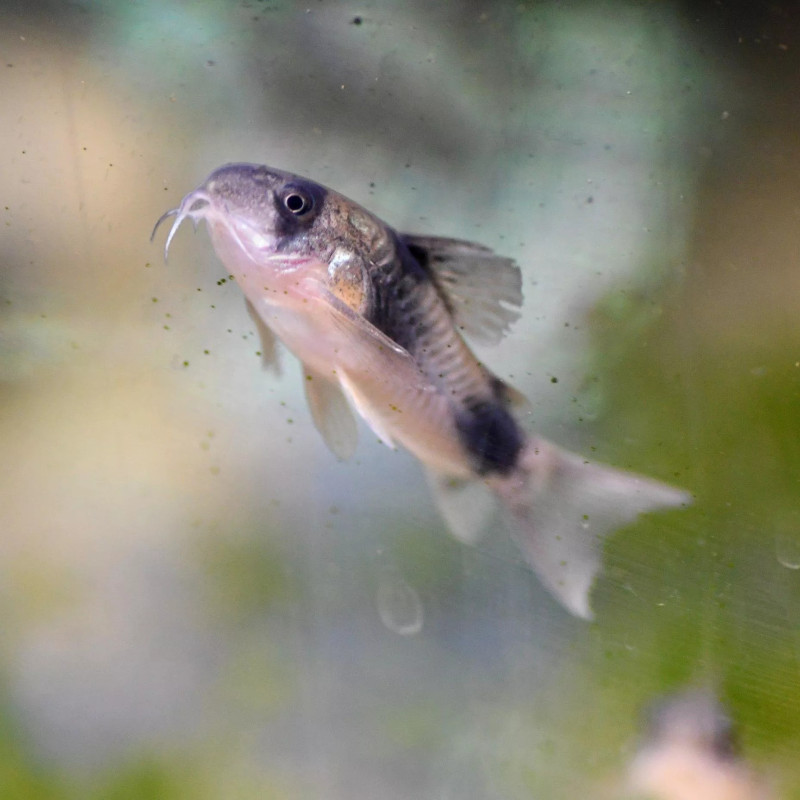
(398, 604)
(787, 546)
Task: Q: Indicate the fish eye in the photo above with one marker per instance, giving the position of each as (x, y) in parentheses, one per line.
(297, 203)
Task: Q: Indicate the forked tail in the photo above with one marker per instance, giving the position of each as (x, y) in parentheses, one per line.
(558, 508)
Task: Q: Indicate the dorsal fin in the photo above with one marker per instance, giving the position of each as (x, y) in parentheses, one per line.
(482, 290)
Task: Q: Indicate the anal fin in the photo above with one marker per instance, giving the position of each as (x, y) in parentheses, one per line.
(466, 505)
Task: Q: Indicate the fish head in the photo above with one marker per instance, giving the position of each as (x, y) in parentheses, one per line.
(254, 214)
(271, 228)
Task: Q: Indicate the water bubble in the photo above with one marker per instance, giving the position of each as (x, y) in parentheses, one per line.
(399, 606)
(787, 548)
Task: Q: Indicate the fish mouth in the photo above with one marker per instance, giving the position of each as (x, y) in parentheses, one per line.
(201, 205)
(194, 205)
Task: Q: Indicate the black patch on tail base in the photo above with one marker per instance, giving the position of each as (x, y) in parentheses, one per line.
(491, 436)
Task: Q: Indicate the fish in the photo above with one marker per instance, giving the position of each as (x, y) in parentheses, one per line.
(690, 752)
(379, 321)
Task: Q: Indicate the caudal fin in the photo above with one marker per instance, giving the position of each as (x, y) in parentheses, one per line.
(559, 507)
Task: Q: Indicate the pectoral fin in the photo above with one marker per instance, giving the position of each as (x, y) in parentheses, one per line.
(331, 414)
(361, 331)
(269, 343)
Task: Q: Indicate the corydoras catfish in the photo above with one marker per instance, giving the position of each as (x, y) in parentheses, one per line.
(377, 319)
(691, 753)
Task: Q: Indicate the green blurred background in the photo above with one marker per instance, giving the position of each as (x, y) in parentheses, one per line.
(196, 599)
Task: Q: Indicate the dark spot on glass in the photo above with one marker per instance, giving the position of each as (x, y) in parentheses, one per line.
(554, 379)
(357, 20)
